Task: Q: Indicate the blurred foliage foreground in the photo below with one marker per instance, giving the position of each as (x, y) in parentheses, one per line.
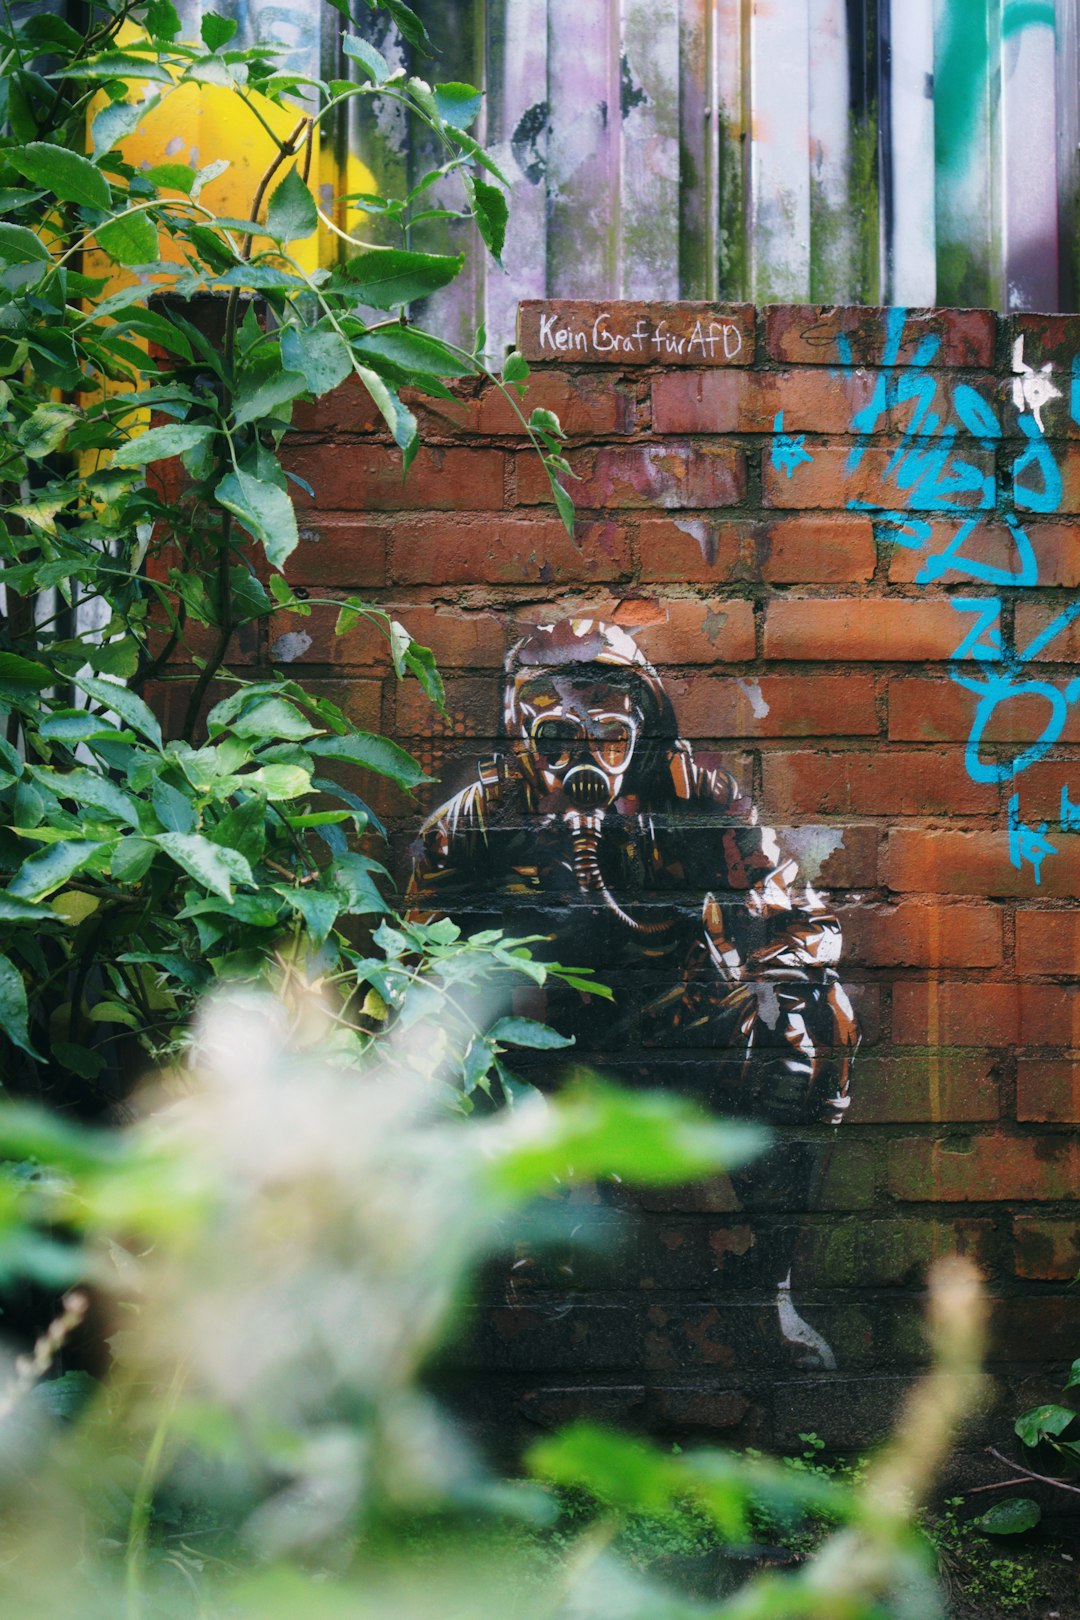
(277, 1248)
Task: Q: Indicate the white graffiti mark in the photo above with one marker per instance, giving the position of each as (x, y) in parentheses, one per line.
(290, 646)
(754, 696)
(1031, 388)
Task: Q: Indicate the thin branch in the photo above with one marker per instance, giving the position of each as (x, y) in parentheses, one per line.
(1029, 1473)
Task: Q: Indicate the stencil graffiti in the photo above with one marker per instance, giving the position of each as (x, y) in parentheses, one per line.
(596, 824)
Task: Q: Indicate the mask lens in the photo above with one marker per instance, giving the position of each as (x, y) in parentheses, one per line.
(613, 741)
(554, 739)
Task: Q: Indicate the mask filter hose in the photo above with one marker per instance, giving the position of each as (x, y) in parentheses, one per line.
(585, 828)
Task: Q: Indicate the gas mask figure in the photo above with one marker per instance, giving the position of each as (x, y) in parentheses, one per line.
(652, 869)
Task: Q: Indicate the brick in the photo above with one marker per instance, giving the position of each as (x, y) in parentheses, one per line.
(947, 861)
(1052, 340)
(828, 480)
(348, 409)
(459, 640)
(711, 705)
(923, 709)
(1033, 620)
(806, 335)
(636, 333)
(900, 782)
(914, 1085)
(1048, 941)
(693, 549)
(992, 544)
(988, 1167)
(891, 1254)
(1046, 1250)
(914, 933)
(749, 401)
(1048, 1090)
(932, 1013)
(683, 630)
(893, 629)
(1042, 1328)
(810, 551)
(585, 403)
(511, 549)
(473, 705)
(363, 477)
(1050, 1015)
(668, 475)
(338, 553)
(1040, 789)
(834, 857)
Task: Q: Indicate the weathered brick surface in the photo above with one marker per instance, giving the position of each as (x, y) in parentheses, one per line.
(786, 579)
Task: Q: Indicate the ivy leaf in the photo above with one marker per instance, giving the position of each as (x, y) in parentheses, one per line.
(292, 214)
(321, 356)
(215, 866)
(374, 753)
(392, 277)
(371, 60)
(120, 119)
(50, 869)
(14, 1013)
(131, 708)
(458, 104)
(527, 1032)
(67, 175)
(491, 211)
(130, 239)
(265, 511)
(216, 31)
(1010, 1518)
(156, 443)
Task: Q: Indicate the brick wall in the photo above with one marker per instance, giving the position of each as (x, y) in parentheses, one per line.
(768, 517)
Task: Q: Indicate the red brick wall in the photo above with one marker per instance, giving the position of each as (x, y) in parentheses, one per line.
(801, 650)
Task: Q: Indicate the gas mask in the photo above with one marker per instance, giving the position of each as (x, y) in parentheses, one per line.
(577, 737)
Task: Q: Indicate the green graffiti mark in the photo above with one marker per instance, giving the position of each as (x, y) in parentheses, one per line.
(1026, 14)
(963, 54)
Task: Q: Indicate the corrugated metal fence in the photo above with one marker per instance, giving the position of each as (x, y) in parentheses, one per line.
(858, 151)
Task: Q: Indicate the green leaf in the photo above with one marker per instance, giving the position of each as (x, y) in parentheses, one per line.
(22, 911)
(527, 1032)
(156, 443)
(89, 788)
(65, 1397)
(651, 1138)
(79, 1059)
(216, 31)
(292, 214)
(46, 428)
(279, 782)
(477, 1064)
(173, 809)
(132, 859)
(321, 356)
(272, 718)
(398, 418)
(409, 24)
(18, 672)
(491, 211)
(458, 104)
(318, 909)
(118, 65)
(373, 62)
(172, 177)
(1043, 1422)
(515, 368)
(260, 398)
(130, 239)
(413, 350)
(50, 869)
(358, 893)
(119, 120)
(617, 1469)
(374, 753)
(67, 175)
(1074, 1375)
(564, 505)
(392, 277)
(162, 20)
(214, 866)
(265, 511)
(19, 245)
(243, 828)
(1010, 1518)
(14, 1013)
(131, 708)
